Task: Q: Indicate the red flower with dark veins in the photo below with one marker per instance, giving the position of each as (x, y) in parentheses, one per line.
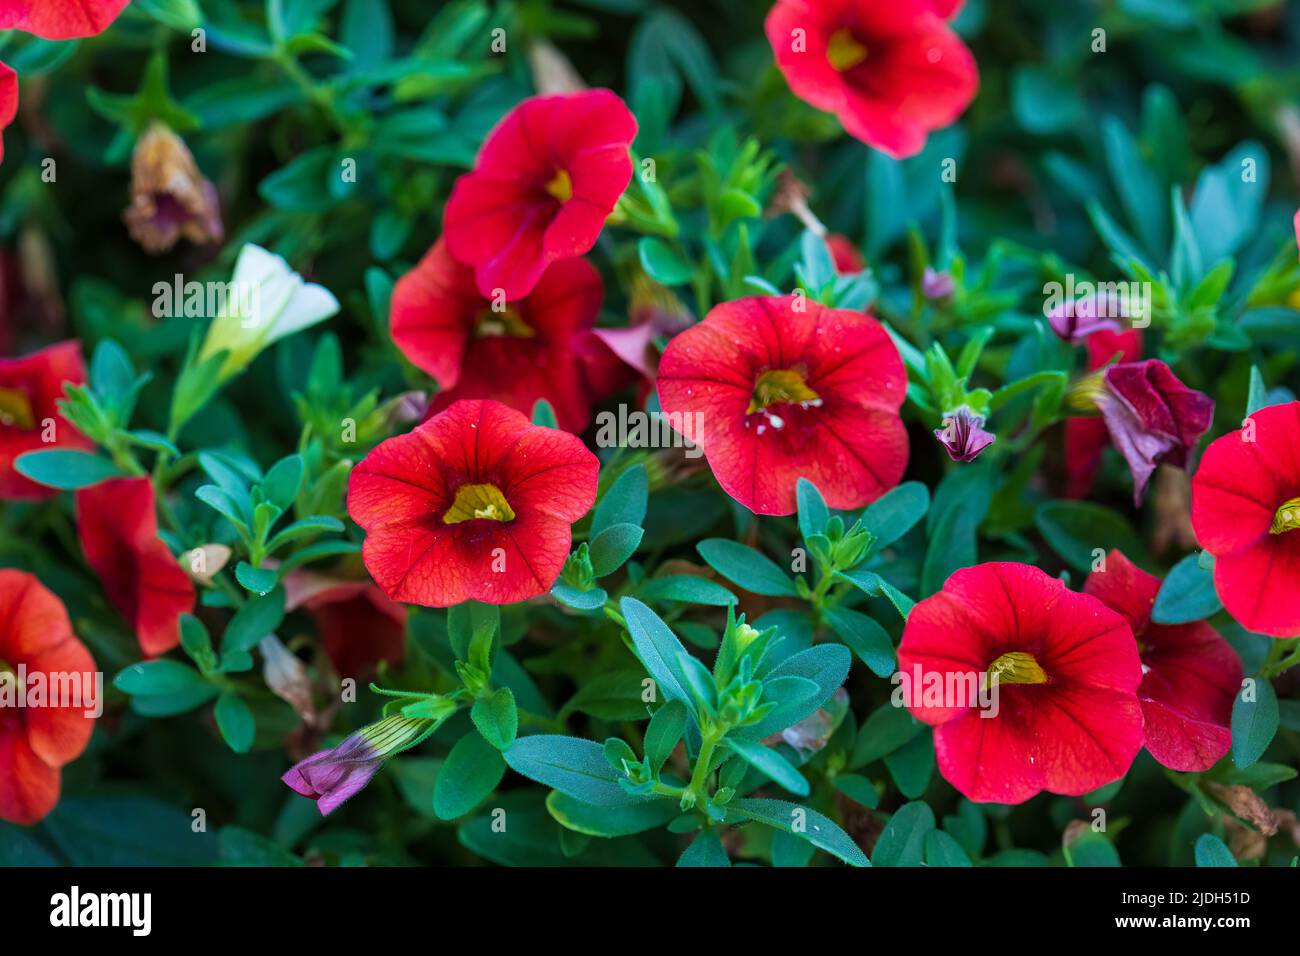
(118, 524)
(540, 346)
(1067, 718)
(892, 72)
(60, 19)
(1087, 438)
(357, 623)
(30, 388)
(476, 503)
(8, 101)
(1246, 512)
(786, 388)
(37, 644)
(1190, 675)
(541, 189)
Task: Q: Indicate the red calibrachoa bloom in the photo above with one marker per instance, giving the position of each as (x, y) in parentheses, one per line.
(8, 101)
(1087, 438)
(118, 525)
(475, 503)
(892, 72)
(1190, 674)
(1067, 717)
(516, 353)
(35, 742)
(786, 388)
(545, 181)
(29, 415)
(846, 256)
(1246, 512)
(60, 19)
(357, 623)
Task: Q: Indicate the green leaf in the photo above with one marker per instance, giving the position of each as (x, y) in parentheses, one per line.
(771, 764)
(1254, 723)
(610, 695)
(609, 821)
(663, 263)
(254, 621)
(497, 718)
(66, 470)
(943, 850)
(895, 513)
(658, 648)
(1091, 849)
(282, 482)
(662, 735)
(869, 582)
(544, 414)
(1211, 851)
(802, 822)
(624, 502)
(313, 524)
(685, 588)
(235, 721)
(1187, 594)
(746, 568)
(612, 547)
(571, 765)
(887, 729)
(258, 580)
(912, 765)
(857, 788)
(865, 637)
(1078, 530)
(902, 843)
(813, 513)
(570, 596)
(705, 850)
(1258, 393)
(826, 666)
(160, 677)
(469, 774)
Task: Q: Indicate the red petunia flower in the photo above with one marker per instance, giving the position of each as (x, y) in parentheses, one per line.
(846, 256)
(545, 181)
(1246, 512)
(1087, 438)
(8, 101)
(1067, 718)
(1190, 675)
(118, 525)
(540, 346)
(892, 72)
(36, 741)
(29, 416)
(60, 19)
(357, 623)
(784, 388)
(476, 503)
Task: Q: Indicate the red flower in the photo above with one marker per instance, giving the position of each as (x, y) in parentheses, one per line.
(118, 525)
(60, 19)
(892, 72)
(1190, 674)
(1087, 438)
(540, 346)
(1246, 512)
(357, 623)
(545, 181)
(1067, 718)
(8, 101)
(475, 503)
(848, 260)
(29, 416)
(35, 742)
(787, 388)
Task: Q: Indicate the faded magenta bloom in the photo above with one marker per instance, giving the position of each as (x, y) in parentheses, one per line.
(937, 285)
(334, 775)
(963, 434)
(1077, 319)
(1152, 417)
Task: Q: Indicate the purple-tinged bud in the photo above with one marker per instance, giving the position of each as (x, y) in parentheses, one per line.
(963, 434)
(334, 775)
(1077, 319)
(937, 285)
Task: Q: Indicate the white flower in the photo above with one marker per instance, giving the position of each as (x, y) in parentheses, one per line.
(264, 302)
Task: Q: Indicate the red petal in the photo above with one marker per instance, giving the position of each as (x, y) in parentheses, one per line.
(60, 19)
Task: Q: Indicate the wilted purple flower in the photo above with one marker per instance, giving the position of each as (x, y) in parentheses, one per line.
(331, 776)
(1076, 319)
(963, 434)
(1152, 417)
(936, 285)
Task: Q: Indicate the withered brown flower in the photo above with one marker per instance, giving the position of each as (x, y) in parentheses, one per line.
(170, 199)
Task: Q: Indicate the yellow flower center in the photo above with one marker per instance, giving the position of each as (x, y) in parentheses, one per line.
(1287, 517)
(560, 186)
(844, 51)
(1016, 667)
(780, 385)
(16, 409)
(506, 322)
(478, 501)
